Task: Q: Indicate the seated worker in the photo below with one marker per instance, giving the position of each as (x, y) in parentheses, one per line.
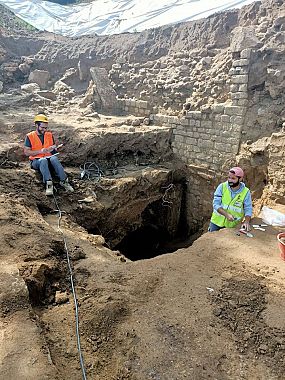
(40, 147)
(232, 203)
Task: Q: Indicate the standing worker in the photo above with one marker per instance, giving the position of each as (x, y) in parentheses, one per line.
(232, 203)
(40, 147)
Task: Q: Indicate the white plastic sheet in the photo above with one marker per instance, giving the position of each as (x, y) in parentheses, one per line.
(272, 217)
(105, 17)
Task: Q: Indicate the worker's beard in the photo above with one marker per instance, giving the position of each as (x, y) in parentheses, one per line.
(233, 184)
(40, 132)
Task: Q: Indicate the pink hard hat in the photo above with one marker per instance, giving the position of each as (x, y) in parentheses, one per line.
(237, 171)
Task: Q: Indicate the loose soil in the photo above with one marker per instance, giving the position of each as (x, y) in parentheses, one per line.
(209, 311)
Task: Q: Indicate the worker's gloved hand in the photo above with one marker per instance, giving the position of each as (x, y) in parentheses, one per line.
(230, 218)
(245, 226)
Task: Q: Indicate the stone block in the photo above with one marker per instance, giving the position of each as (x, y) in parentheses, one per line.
(236, 120)
(225, 135)
(206, 144)
(242, 102)
(234, 87)
(190, 141)
(244, 37)
(106, 93)
(236, 128)
(218, 108)
(142, 104)
(194, 115)
(196, 149)
(234, 141)
(41, 77)
(30, 87)
(242, 88)
(234, 110)
(239, 70)
(206, 124)
(239, 95)
(239, 79)
(179, 139)
(245, 53)
(184, 121)
(240, 62)
(225, 118)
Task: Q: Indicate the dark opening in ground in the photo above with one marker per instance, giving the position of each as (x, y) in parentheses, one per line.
(145, 242)
(163, 230)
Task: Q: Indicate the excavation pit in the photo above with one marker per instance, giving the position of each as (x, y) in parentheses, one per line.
(139, 214)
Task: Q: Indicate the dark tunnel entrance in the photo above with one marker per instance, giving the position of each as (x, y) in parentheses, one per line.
(146, 242)
(163, 229)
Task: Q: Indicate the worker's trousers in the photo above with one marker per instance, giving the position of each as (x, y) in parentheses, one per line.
(43, 165)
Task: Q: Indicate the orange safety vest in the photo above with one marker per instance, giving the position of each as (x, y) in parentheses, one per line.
(36, 143)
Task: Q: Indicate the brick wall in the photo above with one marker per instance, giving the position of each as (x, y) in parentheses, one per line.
(205, 140)
(136, 107)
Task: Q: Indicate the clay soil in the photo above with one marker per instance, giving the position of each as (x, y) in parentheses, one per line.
(213, 310)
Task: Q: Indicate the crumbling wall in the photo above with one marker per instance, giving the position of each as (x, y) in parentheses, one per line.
(210, 139)
(136, 107)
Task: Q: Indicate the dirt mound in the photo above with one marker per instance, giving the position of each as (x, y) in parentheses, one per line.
(210, 310)
(240, 306)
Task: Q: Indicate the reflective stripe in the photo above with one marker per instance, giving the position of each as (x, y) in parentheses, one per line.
(226, 207)
(36, 143)
(236, 209)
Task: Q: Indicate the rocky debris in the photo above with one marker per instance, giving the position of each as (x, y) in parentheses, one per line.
(275, 81)
(47, 94)
(146, 121)
(30, 88)
(60, 297)
(63, 91)
(89, 111)
(136, 122)
(1, 86)
(41, 77)
(89, 96)
(25, 68)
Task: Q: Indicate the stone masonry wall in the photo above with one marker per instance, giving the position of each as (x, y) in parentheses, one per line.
(136, 107)
(209, 140)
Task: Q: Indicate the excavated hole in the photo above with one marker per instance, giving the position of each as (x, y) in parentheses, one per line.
(160, 231)
(160, 228)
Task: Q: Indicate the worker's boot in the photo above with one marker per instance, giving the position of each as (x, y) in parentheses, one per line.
(49, 188)
(66, 185)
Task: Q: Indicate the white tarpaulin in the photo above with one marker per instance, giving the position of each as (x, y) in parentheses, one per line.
(114, 16)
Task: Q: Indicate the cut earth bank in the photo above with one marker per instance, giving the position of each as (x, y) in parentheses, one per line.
(211, 310)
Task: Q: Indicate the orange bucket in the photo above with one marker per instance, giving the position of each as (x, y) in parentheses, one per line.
(281, 244)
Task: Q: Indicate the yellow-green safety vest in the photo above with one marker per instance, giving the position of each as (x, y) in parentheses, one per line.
(233, 206)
